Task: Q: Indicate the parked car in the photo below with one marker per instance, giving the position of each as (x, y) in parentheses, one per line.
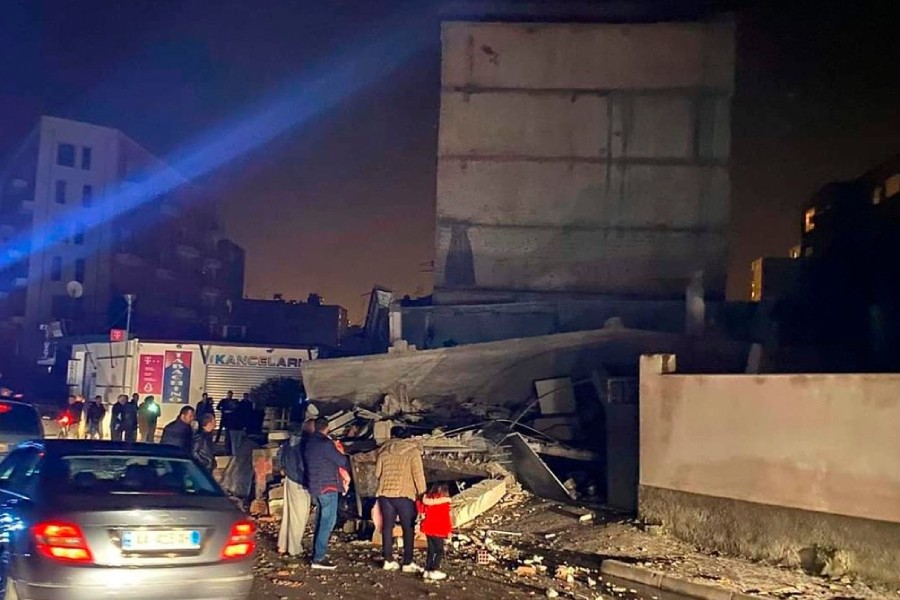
(18, 422)
(87, 520)
(50, 419)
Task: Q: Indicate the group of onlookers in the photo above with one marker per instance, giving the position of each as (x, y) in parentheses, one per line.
(130, 420)
(314, 468)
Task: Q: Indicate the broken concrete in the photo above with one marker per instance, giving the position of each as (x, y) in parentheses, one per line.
(533, 472)
(470, 504)
(502, 373)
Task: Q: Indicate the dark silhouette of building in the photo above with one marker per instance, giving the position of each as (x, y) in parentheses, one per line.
(846, 297)
(288, 322)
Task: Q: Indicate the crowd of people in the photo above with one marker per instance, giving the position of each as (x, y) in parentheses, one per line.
(315, 471)
(315, 468)
(130, 420)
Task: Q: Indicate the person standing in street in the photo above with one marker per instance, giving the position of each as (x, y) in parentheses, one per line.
(179, 432)
(401, 480)
(321, 461)
(130, 419)
(117, 419)
(205, 407)
(296, 497)
(147, 416)
(203, 449)
(241, 421)
(76, 415)
(226, 407)
(94, 418)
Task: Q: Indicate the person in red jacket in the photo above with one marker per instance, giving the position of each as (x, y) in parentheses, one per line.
(437, 526)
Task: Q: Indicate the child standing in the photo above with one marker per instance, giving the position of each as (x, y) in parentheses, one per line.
(437, 526)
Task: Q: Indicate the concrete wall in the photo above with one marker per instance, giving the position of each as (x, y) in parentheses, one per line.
(582, 158)
(437, 326)
(726, 458)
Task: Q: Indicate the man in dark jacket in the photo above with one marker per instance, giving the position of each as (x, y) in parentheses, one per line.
(94, 417)
(204, 447)
(295, 515)
(226, 406)
(179, 432)
(117, 419)
(131, 418)
(321, 460)
(205, 407)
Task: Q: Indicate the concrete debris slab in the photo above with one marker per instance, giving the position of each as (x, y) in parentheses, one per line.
(477, 500)
(469, 373)
(532, 472)
(556, 396)
(339, 422)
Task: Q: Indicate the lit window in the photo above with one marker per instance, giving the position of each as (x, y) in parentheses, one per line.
(809, 220)
(79, 270)
(87, 195)
(892, 186)
(60, 192)
(56, 269)
(86, 156)
(876, 196)
(65, 155)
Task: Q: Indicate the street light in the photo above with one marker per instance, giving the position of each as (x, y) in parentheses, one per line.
(129, 300)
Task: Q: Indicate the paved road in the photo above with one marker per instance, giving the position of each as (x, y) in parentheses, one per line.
(359, 577)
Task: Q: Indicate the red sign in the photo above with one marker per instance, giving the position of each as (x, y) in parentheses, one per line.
(150, 374)
(117, 335)
(177, 375)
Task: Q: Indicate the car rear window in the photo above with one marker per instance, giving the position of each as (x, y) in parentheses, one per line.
(106, 474)
(19, 419)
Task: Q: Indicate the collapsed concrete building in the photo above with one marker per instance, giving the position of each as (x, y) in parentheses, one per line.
(582, 159)
(582, 199)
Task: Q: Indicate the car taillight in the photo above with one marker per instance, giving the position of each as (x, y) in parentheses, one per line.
(241, 540)
(61, 541)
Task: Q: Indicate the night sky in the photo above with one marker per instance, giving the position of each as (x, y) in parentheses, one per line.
(346, 201)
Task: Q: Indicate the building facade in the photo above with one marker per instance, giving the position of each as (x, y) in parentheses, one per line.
(79, 231)
(280, 321)
(582, 159)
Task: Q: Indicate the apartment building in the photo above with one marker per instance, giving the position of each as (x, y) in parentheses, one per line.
(79, 228)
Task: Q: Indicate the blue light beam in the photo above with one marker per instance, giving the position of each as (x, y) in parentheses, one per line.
(322, 88)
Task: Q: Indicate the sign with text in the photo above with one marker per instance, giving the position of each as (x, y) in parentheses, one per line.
(150, 374)
(117, 335)
(177, 377)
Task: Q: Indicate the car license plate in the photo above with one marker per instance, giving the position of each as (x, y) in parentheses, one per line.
(157, 540)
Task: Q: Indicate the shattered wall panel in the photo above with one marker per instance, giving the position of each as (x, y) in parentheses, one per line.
(532, 472)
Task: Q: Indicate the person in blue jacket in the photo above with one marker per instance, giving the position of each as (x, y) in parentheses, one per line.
(321, 460)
